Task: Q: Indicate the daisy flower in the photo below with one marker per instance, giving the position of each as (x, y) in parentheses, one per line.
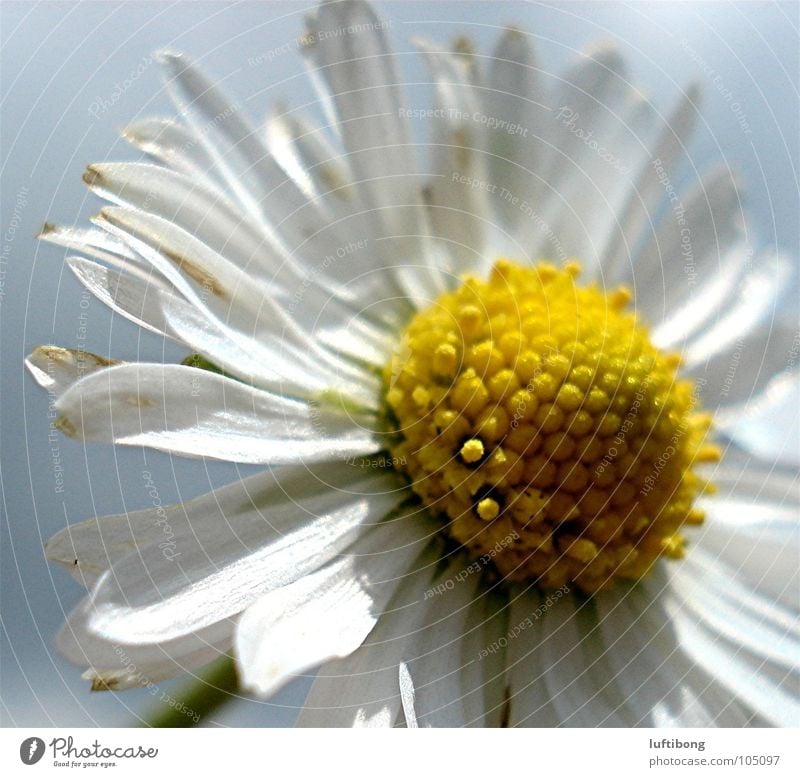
(482, 395)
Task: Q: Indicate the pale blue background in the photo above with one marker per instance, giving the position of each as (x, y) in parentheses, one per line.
(59, 57)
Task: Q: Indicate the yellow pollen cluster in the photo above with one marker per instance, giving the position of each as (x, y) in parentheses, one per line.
(537, 418)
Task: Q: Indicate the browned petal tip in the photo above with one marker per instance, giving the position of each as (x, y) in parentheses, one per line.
(92, 176)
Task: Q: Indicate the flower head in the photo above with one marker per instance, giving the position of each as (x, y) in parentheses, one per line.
(482, 473)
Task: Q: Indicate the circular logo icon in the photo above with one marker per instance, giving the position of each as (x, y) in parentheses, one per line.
(31, 750)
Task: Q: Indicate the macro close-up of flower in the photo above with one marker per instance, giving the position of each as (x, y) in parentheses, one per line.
(498, 362)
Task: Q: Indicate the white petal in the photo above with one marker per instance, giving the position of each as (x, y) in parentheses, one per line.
(139, 299)
(94, 242)
(362, 689)
(175, 145)
(527, 701)
(660, 684)
(741, 616)
(675, 265)
(215, 222)
(664, 153)
(453, 685)
(55, 369)
(589, 106)
(205, 573)
(359, 71)
(752, 527)
(89, 548)
(168, 314)
(198, 413)
(283, 372)
(578, 678)
(738, 354)
(767, 425)
(359, 341)
(458, 210)
(773, 699)
(234, 144)
(683, 321)
(483, 675)
(515, 94)
(303, 225)
(579, 218)
(329, 613)
(203, 212)
(229, 294)
(595, 80)
(304, 152)
(82, 646)
(435, 662)
(202, 275)
(407, 696)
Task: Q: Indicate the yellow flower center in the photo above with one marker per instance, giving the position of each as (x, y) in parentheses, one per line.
(536, 417)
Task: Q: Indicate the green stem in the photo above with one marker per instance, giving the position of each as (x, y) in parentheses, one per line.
(197, 699)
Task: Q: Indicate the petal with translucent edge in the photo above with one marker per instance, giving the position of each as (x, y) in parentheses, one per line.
(302, 149)
(286, 372)
(97, 243)
(734, 602)
(130, 295)
(206, 573)
(361, 690)
(329, 613)
(683, 322)
(55, 368)
(238, 151)
(207, 215)
(203, 276)
(193, 412)
(483, 676)
(173, 144)
(558, 674)
(774, 699)
(359, 70)
(582, 214)
(738, 373)
(202, 211)
(732, 610)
